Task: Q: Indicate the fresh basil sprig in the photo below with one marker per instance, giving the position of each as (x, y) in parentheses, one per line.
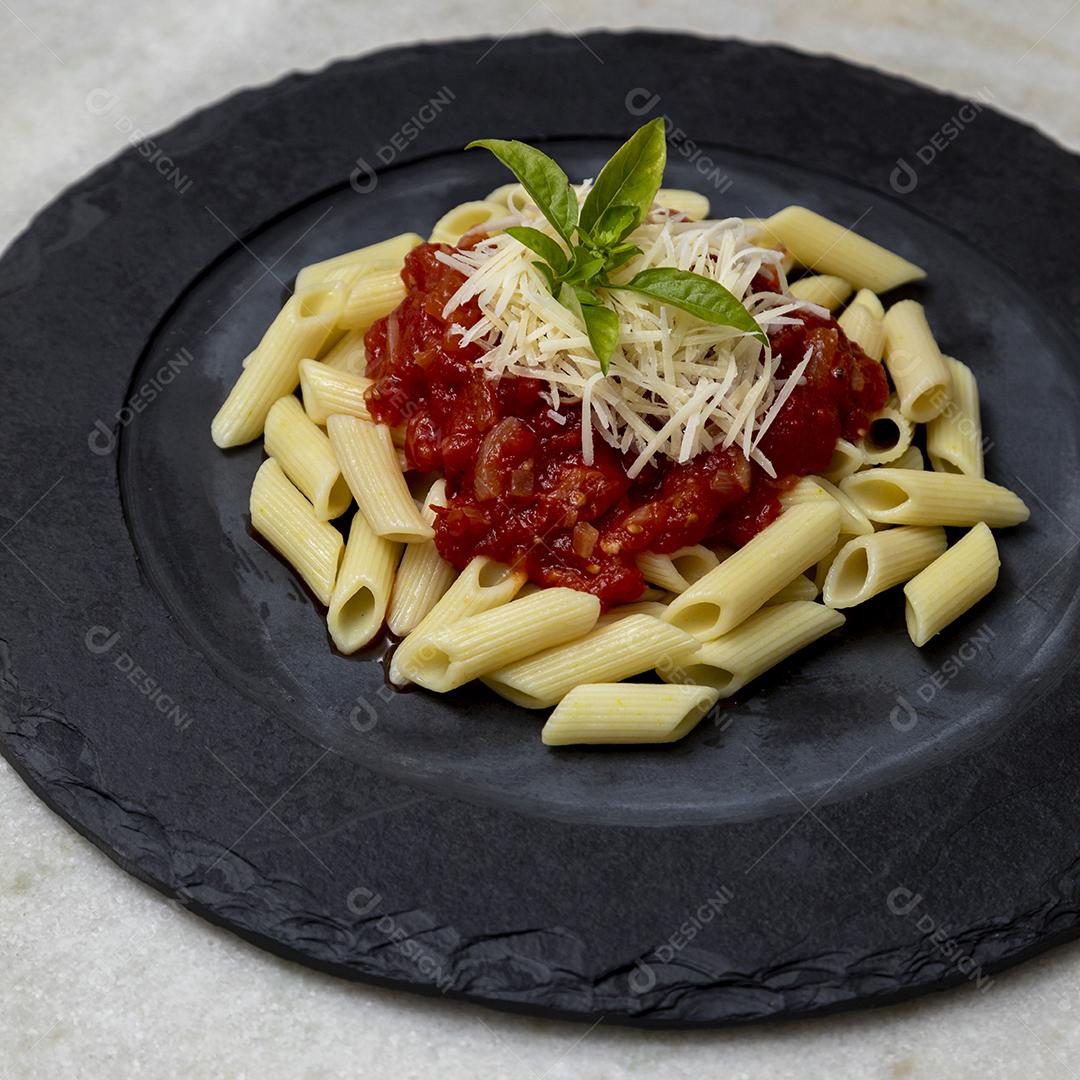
(596, 238)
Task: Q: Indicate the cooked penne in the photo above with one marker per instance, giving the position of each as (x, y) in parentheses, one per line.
(362, 591)
(825, 290)
(454, 224)
(952, 584)
(369, 463)
(327, 390)
(871, 301)
(610, 653)
(348, 354)
(385, 255)
(423, 576)
(847, 458)
(868, 565)
(655, 608)
(824, 565)
(304, 453)
(911, 458)
(627, 713)
(728, 663)
(954, 436)
(504, 194)
(299, 330)
(372, 295)
(483, 584)
(796, 540)
(474, 645)
(888, 436)
(286, 520)
(906, 497)
(802, 588)
(678, 571)
(822, 245)
(915, 362)
(690, 203)
(815, 489)
(865, 328)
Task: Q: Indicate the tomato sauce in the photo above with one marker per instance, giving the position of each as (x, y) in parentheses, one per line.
(517, 484)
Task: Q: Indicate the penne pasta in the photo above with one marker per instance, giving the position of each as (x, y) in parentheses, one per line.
(954, 436)
(483, 584)
(327, 390)
(911, 458)
(824, 565)
(454, 224)
(385, 255)
(796, 540)
(690, 203)
(453, 655)
(906, 497)
(423, 576)
(915, 363)
(847, 458)
(822, 245)
(864, 328)
(888, 436)
(814, 489)
(299, 331)
(362, 591)
(369, 463)
(304, 453)
(372, 295)
(286, 520)
(627, 713)
(871, 301)
(655, 608)
(825, 290)
(868, 565)
(729, 662)
(678, 571)
(347, 354)
(610, 653)
(504, 193)
(802, 588)
(952, 584)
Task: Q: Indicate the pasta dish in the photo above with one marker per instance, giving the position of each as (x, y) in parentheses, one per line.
(592, 433)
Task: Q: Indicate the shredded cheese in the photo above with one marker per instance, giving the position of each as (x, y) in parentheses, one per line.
(676, 385)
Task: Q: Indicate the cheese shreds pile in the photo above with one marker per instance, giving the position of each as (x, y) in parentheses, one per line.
(676, 385)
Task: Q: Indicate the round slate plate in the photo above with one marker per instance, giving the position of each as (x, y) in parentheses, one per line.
(868, 822)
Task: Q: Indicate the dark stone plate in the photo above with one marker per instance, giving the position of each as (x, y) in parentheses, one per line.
(867, 822)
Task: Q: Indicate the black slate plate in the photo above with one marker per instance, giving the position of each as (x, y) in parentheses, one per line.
(869, 822)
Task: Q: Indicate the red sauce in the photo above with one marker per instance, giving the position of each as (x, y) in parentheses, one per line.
(518, 487)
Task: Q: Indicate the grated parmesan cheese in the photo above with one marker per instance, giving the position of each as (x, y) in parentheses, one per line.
(676, 385)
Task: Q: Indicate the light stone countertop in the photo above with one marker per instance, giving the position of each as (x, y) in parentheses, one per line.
(102, 977)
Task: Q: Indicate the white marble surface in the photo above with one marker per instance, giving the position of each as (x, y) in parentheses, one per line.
(104, 978)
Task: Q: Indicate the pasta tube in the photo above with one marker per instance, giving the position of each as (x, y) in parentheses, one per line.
(889, 435)
(299, 331)
(906, 497)
(627, 713)
(951, 584)
(915, 363)
(362, 591)
(281, 515)
(423, 576)
(610, 653)
(690, 203)
(678, 571)
(365, 452)
(372, 295)
(954, 436)
(911, 458)
(483, 584)
(802, 588)
(307, 458)
(847, 458)
(327, 390)
(348, 353)
(455, 223)
(868, 565)
(825, 290)
(728, 663)
(476, 644)
(814, 489)
(796, 540)
(822, 245)
(385, 255)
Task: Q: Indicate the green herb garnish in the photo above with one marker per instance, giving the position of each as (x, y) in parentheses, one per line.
(596, 239)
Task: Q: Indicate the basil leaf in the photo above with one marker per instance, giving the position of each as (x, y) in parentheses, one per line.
(548, 249)
(601, 323)
(549, 274)
(545, 182)
(701, 296)
(614, 223)
(583, 267)
(631, 178)
(620, 254)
